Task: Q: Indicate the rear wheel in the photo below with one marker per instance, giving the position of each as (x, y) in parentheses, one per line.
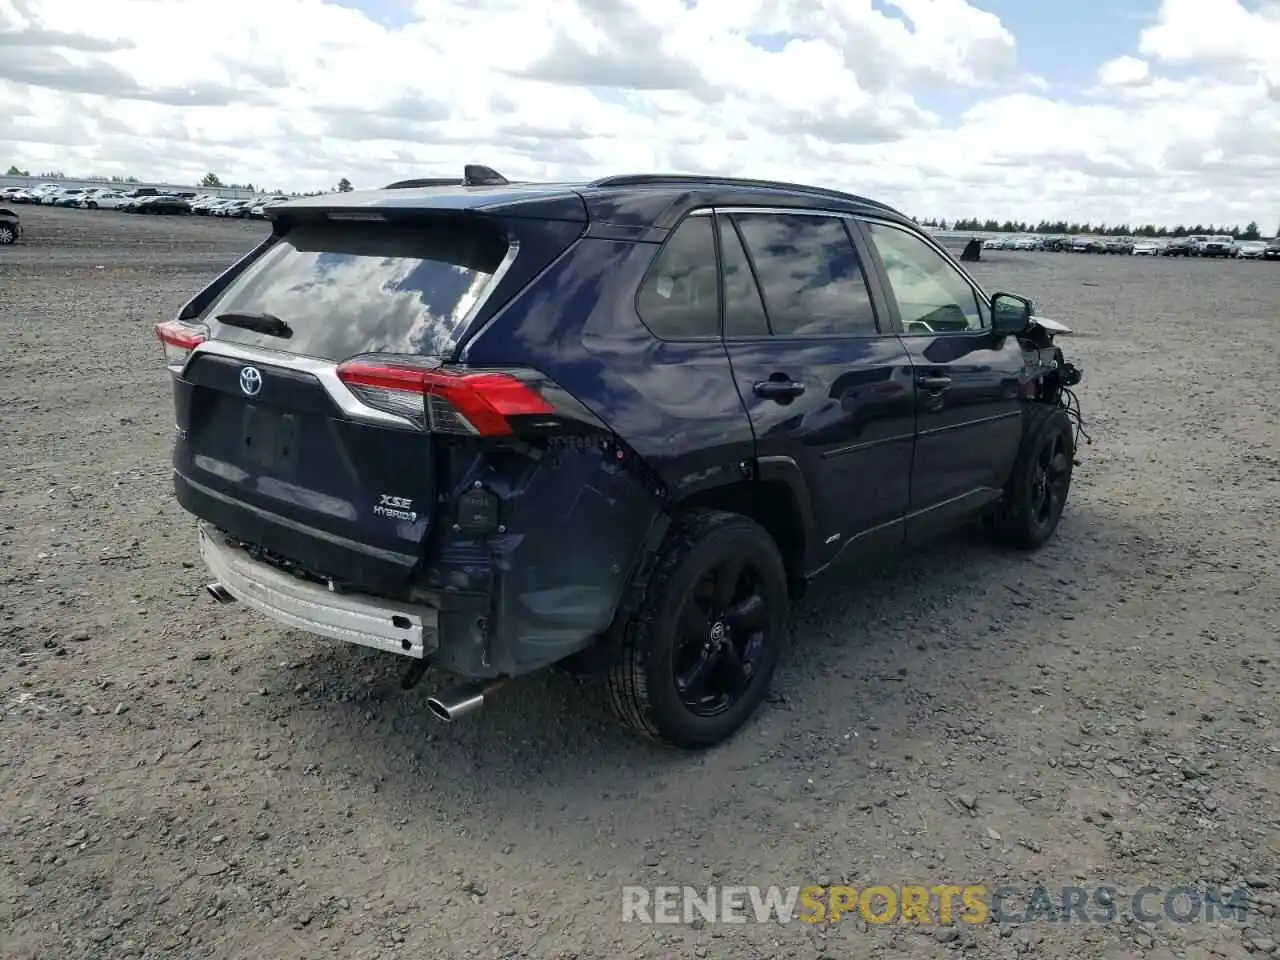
(7, 234)
(697, 657)
(1036, 491)
(91, 205)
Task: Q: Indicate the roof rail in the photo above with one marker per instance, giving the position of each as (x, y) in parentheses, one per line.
(693, 180)
(473, 175)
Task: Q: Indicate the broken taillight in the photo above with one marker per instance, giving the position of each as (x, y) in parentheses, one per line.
(470, 403)
(179, 339)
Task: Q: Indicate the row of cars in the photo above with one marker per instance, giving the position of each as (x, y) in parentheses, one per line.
(141, 200)
(1193, 246)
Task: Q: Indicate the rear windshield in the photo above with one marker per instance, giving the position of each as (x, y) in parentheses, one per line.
(346, 288)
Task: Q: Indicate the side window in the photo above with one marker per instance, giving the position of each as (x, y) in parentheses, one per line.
(809, 275)
(679, 297)
(744, 314)
(932, 295)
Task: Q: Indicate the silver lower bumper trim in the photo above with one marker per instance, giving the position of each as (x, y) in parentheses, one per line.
(410, 630)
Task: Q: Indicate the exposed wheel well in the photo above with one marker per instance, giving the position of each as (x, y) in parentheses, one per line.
(770, 504)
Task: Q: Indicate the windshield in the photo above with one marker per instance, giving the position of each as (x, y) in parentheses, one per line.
(350, 288)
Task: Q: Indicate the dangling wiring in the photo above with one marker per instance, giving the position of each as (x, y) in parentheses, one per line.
(1071, 403)
(1070, 375)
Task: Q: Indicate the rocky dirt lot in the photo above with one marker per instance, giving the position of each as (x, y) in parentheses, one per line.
(181, 780)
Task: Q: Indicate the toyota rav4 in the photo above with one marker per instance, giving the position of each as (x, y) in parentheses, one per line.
(615, 426)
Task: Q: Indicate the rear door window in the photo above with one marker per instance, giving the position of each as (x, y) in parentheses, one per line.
(809, 275)
(351, 288)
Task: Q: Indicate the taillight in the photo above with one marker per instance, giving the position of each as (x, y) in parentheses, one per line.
(472, 403)
(179, 339)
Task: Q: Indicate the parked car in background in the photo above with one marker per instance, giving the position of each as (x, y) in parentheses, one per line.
(10, 227)
(1145, 248)
(1088, 245)
(37, 193)
(234, 208)
(1272, 250)
(202, 205)
(1118, 245)
(1181, 246)
(1249, 249)
(108, 200)
(88, 196)
(1027, 243)
(161, 203)
(259, 211)
(1218, 246)
(70, 197)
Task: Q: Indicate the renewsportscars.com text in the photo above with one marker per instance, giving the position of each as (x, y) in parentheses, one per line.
(942, 904)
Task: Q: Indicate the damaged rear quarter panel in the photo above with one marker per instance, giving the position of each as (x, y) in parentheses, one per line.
(573, 517)
(582, 521)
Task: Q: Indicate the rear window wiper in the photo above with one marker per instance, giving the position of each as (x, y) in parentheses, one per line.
(267, 323)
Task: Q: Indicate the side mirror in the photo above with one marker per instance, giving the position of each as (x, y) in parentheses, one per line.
(1010, 314)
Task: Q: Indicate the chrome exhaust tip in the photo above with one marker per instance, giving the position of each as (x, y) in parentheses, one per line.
(219, 593)
(449, 705)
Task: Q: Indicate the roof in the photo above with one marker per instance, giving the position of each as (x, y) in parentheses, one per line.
(640, 202)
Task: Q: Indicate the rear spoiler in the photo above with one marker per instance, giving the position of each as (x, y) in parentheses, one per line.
(473, 175)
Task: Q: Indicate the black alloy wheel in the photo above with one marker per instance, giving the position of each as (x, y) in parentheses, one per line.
(1035, 494)
(694, 661)
(722, 631)
(1050, 481)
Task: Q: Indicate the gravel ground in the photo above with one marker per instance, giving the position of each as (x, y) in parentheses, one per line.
(182, 780)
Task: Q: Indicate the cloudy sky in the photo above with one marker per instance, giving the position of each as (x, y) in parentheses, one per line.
(1116, 110)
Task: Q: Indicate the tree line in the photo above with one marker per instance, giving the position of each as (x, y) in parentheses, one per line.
(212, 181)
(1250, 231)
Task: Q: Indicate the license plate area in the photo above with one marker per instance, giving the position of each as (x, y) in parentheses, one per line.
(269, 438)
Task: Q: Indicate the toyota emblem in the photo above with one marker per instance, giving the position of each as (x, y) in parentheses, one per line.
(250, 381)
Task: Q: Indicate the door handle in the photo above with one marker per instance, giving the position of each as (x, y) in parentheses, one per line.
(779, 389)
(933, 383)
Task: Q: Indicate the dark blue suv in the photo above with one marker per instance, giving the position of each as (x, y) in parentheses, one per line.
(615, 425)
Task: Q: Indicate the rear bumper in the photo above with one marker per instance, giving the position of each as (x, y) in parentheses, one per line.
(411, 630)
(544, 584)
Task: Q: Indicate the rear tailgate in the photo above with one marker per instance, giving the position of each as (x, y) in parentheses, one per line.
(273, 447)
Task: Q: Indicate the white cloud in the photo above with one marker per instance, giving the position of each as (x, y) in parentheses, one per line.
(297, 93)
(1123, 71)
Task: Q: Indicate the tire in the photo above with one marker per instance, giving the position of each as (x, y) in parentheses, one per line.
(7, 234)
(1035, 494)
(91, 205)
(702, 547)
